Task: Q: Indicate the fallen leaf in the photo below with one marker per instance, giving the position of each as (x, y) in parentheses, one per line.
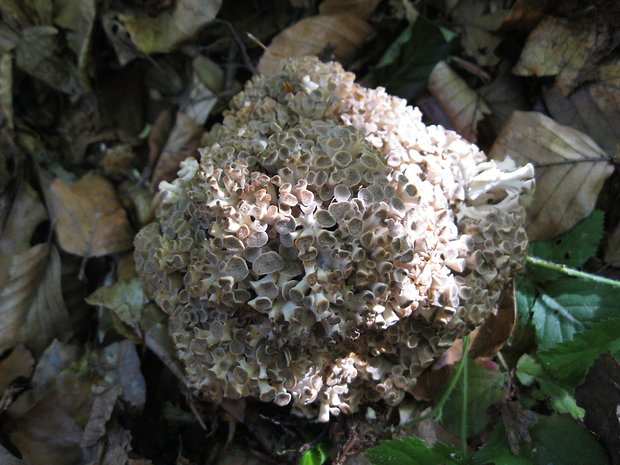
(31, 306)
(359, 8)
(463, 106)
(18, 228)
(183, 142)
(612, 247)
(88, 217)
(17, 364)
(343, 34)
(600, 397)
(6, 458)
(570, 170)
(503, 96)
(116, 447)
(497, 328)
(567, 49)
(590, 108)
(163, 33)
(39, 53)
(100, 414)
(6, 88)
(524, 15)
(46, 435)
(477, 21)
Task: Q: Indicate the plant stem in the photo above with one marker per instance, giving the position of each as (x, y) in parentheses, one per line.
(464, 405)
(444, 397)
(571, 271)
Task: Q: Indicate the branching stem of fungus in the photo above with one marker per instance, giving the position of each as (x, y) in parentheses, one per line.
(438, 409)
(571, 271)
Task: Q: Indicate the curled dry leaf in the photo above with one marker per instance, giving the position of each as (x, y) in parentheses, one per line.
(497, 329)
(340, 34)
(32, 309)
(359, 8)
(166, 31)
(570, 170)
(562, 48)
(463, 106)
(88, 217)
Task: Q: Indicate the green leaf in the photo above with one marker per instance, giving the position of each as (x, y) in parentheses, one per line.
(413, 451)
(574, 247)
(486, 385)
(315, 456)
(569, 306)
(497, 451)
(525, 296)
(570, 361)
(405, 66)
(559, 440)
(529, 370)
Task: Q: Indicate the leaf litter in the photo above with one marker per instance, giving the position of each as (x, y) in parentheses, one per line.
(98, 103)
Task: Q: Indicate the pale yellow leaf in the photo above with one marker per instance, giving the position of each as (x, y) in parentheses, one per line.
(166, 31)
(570, 170)
(463, 106)
(89, 218)
(32, 309)
(342, 35)
(359, 8)
(562, 48)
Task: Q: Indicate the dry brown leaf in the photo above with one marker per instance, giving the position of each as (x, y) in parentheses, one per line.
(88, 217)
(570, 170)
(524, 14)
(591, 107)
(162, 33)
(183, 142)
(463, 106)
(497, 329)
(612, 247)
(563, 48)
(31, 306)
(18, 228)
(19, 363)
(359, 8)
(341, 34)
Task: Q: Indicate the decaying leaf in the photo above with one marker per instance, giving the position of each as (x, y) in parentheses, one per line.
(497, 329)
(39, 53)
(360, 8)
(601, 398)
(88, 217)
(163, 33)
(612, 247)
(6, 458)
(570, 170)
(463, 106)
(19, 363)
(341, 35)
(72, 400)
(6, 89)
(31, 305)
(17, 229)
(563, 48)
(477, 21)
(591, 107)
(183, 142)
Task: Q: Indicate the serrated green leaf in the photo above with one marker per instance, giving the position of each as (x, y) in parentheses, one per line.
(315, 456)
(570, 361)
(530, 370)
(486, 385)
(559, 440)
(574, 247)
(569, 306)
(414, 451)
(497, 451)
(405, 66)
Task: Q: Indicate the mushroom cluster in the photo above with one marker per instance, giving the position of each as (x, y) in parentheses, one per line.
(328, 246)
